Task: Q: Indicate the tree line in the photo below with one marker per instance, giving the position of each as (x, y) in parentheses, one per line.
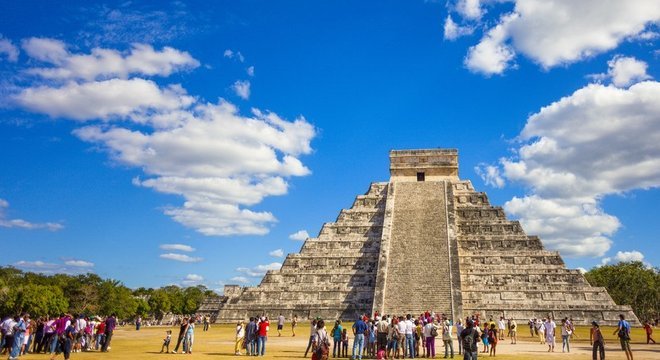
(630, 283)
(89, 294)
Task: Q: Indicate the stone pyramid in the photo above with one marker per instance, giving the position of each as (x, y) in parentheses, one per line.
(425, 240)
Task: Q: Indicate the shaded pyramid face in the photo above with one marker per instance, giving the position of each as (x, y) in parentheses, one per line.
(425, 240)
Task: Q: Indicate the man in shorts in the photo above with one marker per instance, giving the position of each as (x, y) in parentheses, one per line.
(280, 324)
(623, 331)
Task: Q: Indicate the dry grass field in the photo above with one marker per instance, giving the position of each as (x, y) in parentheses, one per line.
(218, 343)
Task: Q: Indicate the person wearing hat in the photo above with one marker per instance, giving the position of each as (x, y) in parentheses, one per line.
(447, 339)
(597, 341)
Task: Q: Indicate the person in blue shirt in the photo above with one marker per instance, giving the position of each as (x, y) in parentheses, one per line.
(623, 331)
(19, 336)
(336, 337)
(359, 328)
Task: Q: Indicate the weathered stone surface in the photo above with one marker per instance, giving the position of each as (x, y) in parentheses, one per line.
(424, 240)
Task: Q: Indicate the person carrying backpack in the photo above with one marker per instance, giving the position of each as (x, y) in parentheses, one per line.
(470, 341)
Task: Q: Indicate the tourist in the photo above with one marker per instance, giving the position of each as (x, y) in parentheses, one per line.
(459, 330)
(110, 324)
(344, 343)
(381, 329)
(294, 322)
(484, 338)
(565, 336)
(401, 337)
(493, 337)
(470, 341)
(371, 348)
(501, 326)
(190, 337)
(166, 342)
(312, 331)
(359, 328)
(180, 339)
(540, 330)
(320, 342)
(19, 335)
(138, 323)
(393, 337)
(100, 334)
(240, 337)
(410, 340)
(514, 331)
(280, 324)
(649, 332)
(336, 338)
(206, 321)
(447, 339)
(549, 329)
(430, 332)
(27, 337)
(532, 327)
(263, 335)
(251, 331)
(418, 336)
(597, 340)
(623, 332)
(65, 340)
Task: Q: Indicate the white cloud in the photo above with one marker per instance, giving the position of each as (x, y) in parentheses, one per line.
(300, 235)
(181, 257)
(623, 256)
(470, 9)
(582, 270)
(108, 99)
(556, 32)
(24, 224)
(624, 71)
(598, 141)
(277, 253)
(250, 71)
(177, 247)
(228, 53)
(454, 31)
(240, 279)
(192, 280)
(231, 54)
(492, 55)
(79, 263)
(105, 63)
(216, 159)
(490, 175)
(259, 270)
(9, 49)
(242, 89)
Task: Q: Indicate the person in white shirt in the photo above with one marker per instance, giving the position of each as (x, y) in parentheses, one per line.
(501, 326)
(550, 326)
(402, 336)
(240, 335)
(565, 336)
(447, 338)
(430, 339)
(410, 339)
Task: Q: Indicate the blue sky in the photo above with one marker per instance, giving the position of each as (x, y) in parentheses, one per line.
(187, 142)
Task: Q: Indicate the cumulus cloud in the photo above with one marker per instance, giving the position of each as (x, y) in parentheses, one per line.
(600, 140)
(277, 253)
(181, 257)
(8, 49)
(490, 175)
(556, 32)
(453, 31)
(623, 256)
(177, 247)
(300, 235)
(624, 71)
(218, 160)
(231, 54)
(259, 270)
(107, 99)
(250, 71)
(24, 224)
(79, 263)
(105, 63)
(192, 280)
(242, 89)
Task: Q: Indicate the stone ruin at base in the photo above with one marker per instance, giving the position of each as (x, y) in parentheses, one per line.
(424, 240)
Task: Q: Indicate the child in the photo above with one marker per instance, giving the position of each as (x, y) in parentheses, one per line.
(344, 343)
(166, 342)
(381, 353)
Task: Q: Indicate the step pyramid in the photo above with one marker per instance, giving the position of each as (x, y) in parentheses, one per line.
(425, 240)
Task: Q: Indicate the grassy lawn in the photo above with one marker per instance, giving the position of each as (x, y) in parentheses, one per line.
(218, 343)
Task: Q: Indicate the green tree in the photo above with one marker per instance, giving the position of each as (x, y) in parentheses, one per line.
(160, 304)
(630, 283)
(38, 300)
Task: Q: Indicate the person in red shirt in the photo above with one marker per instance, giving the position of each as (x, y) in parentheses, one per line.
(649, 332)
(263, 335)
(100, 334)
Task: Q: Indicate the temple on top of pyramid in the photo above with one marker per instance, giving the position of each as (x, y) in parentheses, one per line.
(424, 240)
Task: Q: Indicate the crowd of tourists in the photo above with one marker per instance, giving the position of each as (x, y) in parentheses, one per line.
(55, 335)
